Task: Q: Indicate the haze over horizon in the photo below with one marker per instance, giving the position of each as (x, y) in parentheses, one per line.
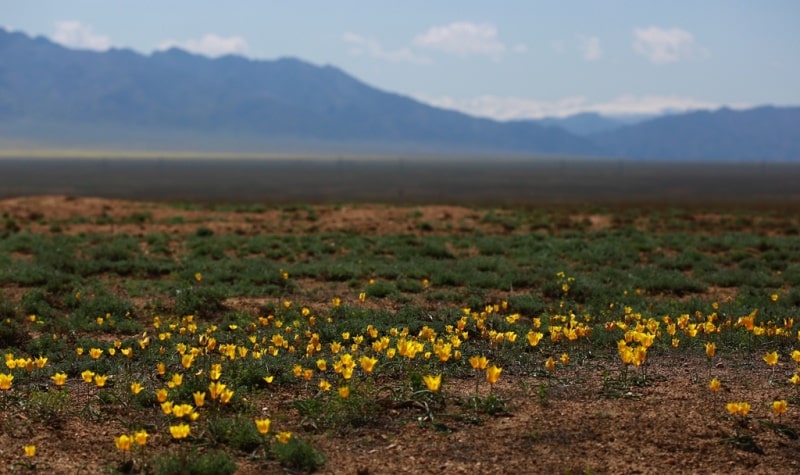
(521, 60)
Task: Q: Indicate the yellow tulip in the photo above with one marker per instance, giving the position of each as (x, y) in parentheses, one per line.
(714, 385)
(738, 408)
(199, 398)
(30, 450)
(344, 392)
(215, 390)
(550, 364)
(564, 358)
(262, 425)
(771, 358)
(711, 348)
(226, 396)
(100, 380)
(186, 360)
(479, 362)
(432, 382)
(367, 363)
(534, 337)
(324, 385)
(493, 374)
(779, 407)
(161, 395)
(141, 437)
(95, 353)
(59, 379)
(123, 442)
(136, 388)
(180, 431)
(283, 437)
(88, 376)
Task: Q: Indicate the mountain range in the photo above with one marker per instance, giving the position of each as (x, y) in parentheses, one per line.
(54, 96)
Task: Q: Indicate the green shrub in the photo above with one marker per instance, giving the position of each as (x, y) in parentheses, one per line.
(298, 454)
(193, 463)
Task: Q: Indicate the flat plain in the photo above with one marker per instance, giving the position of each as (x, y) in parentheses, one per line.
(333, 294)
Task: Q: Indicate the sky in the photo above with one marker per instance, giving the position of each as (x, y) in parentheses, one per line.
(511, 59)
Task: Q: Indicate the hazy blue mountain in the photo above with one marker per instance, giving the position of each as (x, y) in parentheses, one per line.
(51, 95)
(583, 124)
(763, 133)
(285, 100)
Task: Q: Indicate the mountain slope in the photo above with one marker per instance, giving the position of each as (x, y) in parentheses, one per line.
(763, 133)
(285, 99)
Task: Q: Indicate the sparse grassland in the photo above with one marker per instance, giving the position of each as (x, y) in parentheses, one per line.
(143, 338)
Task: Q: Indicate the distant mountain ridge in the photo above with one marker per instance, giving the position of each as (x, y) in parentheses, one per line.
(173, 99)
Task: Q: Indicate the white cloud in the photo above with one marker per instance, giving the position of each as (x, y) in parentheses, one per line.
(590, 47)
(662, 46)
(360, 45)
(463, 39)
(509, 108)
(520, 48)
(210, 45)
(74, 34)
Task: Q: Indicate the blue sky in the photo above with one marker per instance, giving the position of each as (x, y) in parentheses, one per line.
(504, 59)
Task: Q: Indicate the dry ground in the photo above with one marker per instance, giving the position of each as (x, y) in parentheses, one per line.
(575, 422)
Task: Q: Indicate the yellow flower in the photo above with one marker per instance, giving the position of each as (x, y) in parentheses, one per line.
(161, 394)
(493, 374)
(88, 376)
(123, 442)
(263, 425)
(180, 431)
(564, 358)
(283, 437)
(180, 410)
(100, 380)
(141, 437)
(711, 348)
(432, 382)
(59, 378)
(177, 380)
(550, 364)
(226, 396)
(40, 362)
(478, 362)
(771, 358)
(199, 398)
(779, 407)
(215, 390)
(714, 385)
(186, 360)
(534, 337)
(269, 379)
(30, 450)
(136, 388)
(738, 408)
(161, 368)
(216, 372)
(95, 353)
(198, 277)
(344, 392)
(324, 385)
(322, 365)
(367, 363)
(167, 407)
(796, 356)
(795, 379)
